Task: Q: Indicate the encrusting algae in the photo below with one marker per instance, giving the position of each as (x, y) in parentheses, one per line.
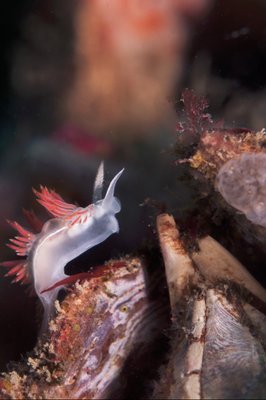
(101, 323)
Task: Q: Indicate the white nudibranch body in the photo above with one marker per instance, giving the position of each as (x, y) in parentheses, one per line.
(73, 231)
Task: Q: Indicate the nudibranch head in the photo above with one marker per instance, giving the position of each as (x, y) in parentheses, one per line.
(71, 232)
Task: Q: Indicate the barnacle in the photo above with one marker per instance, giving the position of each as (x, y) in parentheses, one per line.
(215, 350)
(242, 183)
(228, 165)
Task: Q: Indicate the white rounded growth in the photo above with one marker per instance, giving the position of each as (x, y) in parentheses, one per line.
(242, 183)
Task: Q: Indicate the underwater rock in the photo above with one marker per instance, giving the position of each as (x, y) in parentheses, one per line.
(104, 327)
(216, 151)
(112, 336)
(218, 337)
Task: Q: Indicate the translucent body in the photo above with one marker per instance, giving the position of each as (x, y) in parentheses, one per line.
(242, 183)
(60, 241)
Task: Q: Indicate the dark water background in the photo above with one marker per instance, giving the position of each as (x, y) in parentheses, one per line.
(225, 61)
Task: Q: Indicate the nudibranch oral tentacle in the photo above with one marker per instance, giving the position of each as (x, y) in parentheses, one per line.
(71, 232)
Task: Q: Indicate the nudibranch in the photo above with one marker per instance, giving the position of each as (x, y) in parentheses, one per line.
(71, 232)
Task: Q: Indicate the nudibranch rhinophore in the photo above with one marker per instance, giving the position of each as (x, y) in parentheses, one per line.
(71, 232)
